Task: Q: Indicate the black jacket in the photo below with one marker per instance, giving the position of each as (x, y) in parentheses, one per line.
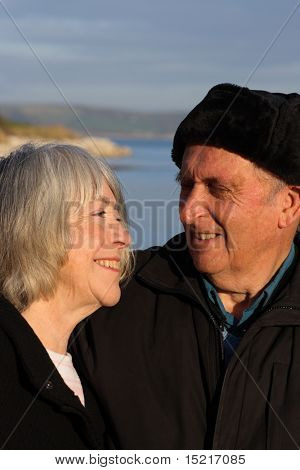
(156, 362)
(37, 409)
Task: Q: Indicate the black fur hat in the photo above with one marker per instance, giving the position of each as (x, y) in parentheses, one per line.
(260, 126)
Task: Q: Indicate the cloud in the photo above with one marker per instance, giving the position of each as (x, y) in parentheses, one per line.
(141, 54)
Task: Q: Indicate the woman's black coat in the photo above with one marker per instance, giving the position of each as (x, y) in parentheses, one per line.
(37, 409)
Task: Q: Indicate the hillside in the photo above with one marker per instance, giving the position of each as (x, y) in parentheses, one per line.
(9, 127)
(14, 134)
(98, 121)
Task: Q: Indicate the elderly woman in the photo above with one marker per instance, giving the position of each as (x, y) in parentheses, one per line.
(63, 251)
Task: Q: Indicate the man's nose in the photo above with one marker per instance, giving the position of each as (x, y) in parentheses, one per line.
(192, 206)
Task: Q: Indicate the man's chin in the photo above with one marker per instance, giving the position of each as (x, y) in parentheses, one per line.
(207, 263)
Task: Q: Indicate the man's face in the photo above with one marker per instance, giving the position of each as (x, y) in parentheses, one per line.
(225, 207)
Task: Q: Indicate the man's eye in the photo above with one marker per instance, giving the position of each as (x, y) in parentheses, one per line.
(214, 187)
(218, 189)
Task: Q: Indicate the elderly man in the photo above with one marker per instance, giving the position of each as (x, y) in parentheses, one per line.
(203, 351)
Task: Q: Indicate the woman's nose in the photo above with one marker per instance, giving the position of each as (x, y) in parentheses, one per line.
(121, 235)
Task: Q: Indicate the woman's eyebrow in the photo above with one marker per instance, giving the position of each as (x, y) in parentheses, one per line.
(108, 202)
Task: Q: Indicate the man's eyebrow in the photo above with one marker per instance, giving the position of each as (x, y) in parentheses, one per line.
(215, 180)
(218, 181)
(181, 175)
(209, 180)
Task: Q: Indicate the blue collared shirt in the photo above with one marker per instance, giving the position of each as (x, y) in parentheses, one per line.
(230, 337)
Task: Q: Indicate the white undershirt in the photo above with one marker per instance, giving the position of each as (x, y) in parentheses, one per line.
(64, 365)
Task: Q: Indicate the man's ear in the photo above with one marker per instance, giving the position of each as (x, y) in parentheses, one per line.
(290, 207)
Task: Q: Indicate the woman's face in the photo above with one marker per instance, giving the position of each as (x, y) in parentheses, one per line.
(90, 278)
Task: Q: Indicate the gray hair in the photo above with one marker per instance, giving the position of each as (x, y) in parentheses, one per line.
(38, 187)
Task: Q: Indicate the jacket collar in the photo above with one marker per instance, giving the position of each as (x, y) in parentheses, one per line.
(170, 269)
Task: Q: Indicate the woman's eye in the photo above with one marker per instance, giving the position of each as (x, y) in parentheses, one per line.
(100, 213)
(104, 214)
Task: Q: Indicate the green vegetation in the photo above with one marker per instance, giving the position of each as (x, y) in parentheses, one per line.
(13, 134)
(55, 132)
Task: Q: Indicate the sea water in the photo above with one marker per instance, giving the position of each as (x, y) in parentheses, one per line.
(150, 190)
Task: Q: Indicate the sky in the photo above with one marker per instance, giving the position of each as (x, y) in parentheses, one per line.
(150, 55)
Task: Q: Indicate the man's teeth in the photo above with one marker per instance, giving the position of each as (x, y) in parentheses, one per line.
(206, 236)
(108, 263)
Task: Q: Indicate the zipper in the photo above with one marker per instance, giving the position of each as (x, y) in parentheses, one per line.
(284, 307)
(220, 410)
(220, 329)
(219, 326)
(229, 367)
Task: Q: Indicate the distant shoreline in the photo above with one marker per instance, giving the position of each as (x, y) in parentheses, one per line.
(96, 146)
(137, 136)
(100, 121)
